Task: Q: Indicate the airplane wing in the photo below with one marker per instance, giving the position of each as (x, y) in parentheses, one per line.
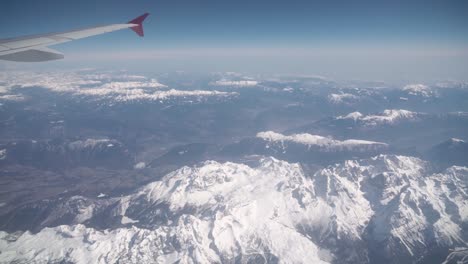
(35, 48)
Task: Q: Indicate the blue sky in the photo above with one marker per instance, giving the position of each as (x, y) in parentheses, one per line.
(343, 39)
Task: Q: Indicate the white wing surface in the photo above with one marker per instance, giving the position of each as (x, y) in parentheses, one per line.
(35, 48)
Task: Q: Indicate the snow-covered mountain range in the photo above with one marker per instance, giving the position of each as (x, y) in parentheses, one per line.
(387, 208)
(391, 126)
(115, 87)
(113, 166)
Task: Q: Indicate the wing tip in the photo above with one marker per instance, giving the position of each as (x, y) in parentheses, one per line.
(139, 24)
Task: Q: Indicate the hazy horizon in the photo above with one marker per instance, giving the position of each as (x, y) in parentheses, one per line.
(374, 40)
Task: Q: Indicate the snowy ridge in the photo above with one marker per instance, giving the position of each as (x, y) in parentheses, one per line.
(418, 90)
(217, 212)
(93, 143)
(241, 83)
(457, 140)
(324, 143)
(132, 84)
(342, 98)
(389, 116)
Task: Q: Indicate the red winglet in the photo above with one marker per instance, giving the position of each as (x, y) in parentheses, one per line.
(139, 21)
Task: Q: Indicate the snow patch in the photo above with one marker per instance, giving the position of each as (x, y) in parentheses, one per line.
(457, 140)
(127, 220)
(140, 165)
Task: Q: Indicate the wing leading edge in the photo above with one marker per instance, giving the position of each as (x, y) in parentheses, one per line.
(35, 48)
